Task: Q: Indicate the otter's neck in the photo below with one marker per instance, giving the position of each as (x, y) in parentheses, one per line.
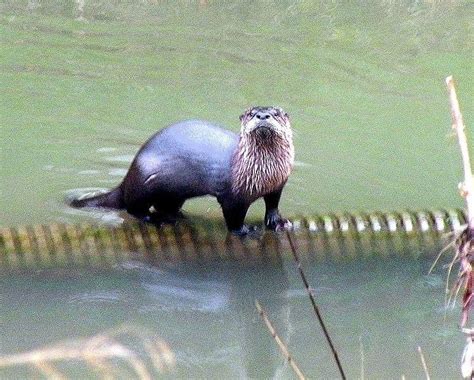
(261, 165)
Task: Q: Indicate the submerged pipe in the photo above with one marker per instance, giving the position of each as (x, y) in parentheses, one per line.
(335, 237)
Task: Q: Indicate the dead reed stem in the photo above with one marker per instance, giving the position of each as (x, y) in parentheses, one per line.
(315, 306)
(467, 188)
(280, 343)
(465, 241)
(423, 363)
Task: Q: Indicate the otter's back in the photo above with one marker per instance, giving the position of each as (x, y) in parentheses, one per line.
(189, 158)
(194, 139)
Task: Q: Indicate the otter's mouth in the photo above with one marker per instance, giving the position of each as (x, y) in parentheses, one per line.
(264, 130)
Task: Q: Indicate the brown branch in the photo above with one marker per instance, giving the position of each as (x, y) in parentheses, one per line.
(315, 306)
(279, 342)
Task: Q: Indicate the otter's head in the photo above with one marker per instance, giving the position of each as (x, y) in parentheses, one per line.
(263, 123)
(264, 157)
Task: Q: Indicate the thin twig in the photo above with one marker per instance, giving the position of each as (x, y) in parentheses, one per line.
(447, 298)
(315, 306)
(280, 343)
(423, 362)
(441, 254)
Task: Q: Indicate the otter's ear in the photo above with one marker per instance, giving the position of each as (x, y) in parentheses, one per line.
(244, 115)
(283, 113)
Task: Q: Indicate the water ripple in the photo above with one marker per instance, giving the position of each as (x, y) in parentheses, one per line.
(101, 297)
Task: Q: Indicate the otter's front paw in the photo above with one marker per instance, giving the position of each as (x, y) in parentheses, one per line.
(276, 223)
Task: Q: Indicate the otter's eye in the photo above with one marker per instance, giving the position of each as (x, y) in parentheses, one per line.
(253, 113)
(276, 112)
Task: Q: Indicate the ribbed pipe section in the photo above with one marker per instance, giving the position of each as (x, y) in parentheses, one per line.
(321, 237)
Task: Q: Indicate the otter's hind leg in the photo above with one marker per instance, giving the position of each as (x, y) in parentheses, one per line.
(138, 203)
(168, 205)
(139, 211)
(167, 210)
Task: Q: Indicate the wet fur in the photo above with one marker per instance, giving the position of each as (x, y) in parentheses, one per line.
(259, 166)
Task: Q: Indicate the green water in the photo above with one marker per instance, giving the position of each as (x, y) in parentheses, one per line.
(364, 84)
(206, 313)
(81, 89)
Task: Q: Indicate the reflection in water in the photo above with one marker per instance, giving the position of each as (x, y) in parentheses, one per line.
(259, 353)
(228, 291)
(207, 315)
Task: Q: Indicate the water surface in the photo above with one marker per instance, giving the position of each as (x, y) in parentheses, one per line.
(85, 83)
(378, 312)
(364, 84)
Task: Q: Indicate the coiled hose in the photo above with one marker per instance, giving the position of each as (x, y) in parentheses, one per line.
(322, 237)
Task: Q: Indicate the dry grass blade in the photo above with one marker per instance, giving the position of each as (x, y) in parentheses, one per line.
(100, 365)
(100, 352)
(50, 372)
(137, 365)
(423, 363)
(315, 306)
(63, 352)
(445, 249)
(280, 343)
(448, 294)
(158, 350)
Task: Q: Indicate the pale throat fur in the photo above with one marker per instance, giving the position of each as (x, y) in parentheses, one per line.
(262, 164)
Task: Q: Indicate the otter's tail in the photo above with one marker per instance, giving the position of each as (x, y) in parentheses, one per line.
(112, 199)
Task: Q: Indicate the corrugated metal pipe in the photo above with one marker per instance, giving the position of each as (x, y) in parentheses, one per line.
(342, 236)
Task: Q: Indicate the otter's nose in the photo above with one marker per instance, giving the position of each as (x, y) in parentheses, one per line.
(261, 115)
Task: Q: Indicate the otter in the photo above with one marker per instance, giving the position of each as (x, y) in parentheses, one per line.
(195, 158)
